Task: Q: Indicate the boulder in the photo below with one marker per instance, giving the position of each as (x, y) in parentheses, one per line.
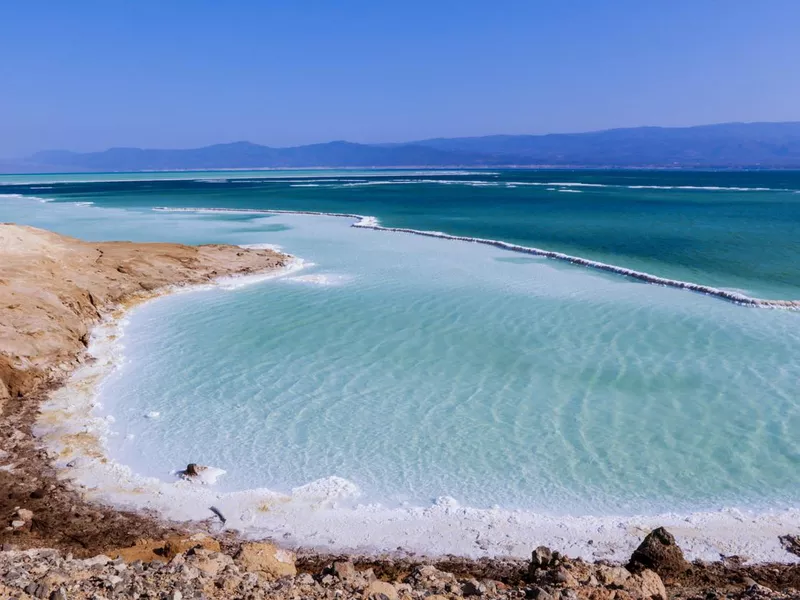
(380, 590)
(344, 570)
(612, 576)
(208, 562)
(25, 514)
(267, 560)
(473, 587)
(646, 585)
(541, 558)
(563, 577)
(658, 552)
(194, 470)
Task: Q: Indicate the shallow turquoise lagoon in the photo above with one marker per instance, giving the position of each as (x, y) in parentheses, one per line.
(418, 368)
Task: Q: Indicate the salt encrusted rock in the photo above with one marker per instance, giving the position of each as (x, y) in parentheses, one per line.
(380, 590)
(658, 552)
(269, 561)
(25, 514)
(194, 470)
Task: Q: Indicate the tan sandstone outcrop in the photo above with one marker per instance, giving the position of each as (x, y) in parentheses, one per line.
(165, 550)
(54, 288)
(267, 560)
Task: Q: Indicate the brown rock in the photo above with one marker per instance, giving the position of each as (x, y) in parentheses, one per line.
(267, 560)
(542, 557)
(165, 550)
(25, 514)
(194, 470)
(344, 570)
(658, 552)
(597, 593)
(380, 590)
(563, 577)
(432, 579)
(612, 576)
(646, 585)
(208, 562)
(473, 587)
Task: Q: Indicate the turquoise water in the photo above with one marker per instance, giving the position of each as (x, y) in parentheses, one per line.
(418, 367)
(738, 230)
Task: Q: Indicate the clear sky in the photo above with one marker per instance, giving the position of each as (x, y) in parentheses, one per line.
(86, 75)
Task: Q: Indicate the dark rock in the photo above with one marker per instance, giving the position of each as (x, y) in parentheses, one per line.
(659, 552)
(791, 543)
(193, 470)
(541, 557)
(473, 587)
(538, 593)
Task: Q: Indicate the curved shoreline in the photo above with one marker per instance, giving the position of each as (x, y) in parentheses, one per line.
(325, 516)
(370, 222)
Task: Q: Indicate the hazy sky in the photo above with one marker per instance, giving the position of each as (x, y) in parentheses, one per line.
(87, 75)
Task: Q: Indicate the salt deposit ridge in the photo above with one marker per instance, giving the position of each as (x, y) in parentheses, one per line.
(369, 222)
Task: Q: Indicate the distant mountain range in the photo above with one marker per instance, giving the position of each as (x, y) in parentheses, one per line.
(731, 145)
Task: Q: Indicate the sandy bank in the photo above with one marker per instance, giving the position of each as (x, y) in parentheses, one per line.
(53, 290)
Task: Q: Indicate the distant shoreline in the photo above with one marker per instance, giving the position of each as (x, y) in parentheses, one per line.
(460, 167)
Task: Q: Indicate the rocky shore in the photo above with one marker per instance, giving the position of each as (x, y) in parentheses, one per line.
(199, 566)
(53, 290)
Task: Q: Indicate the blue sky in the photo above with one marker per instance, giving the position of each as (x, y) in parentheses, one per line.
(86, 75)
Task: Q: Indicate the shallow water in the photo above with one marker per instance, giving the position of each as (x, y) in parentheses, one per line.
(417, 368)
(736, 230)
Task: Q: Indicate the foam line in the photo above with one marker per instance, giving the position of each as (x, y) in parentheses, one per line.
(369, 222)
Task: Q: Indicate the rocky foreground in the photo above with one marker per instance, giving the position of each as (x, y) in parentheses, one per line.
(198, 567)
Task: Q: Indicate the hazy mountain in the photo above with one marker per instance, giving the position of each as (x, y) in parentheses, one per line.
(724, 145)
(728, 144)
(248, 155)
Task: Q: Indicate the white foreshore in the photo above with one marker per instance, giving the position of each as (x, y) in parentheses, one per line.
(369, 222)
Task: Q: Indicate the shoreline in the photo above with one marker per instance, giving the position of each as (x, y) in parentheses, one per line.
(371, 222)
(43, 338)
(325, 516)
(72, 519)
